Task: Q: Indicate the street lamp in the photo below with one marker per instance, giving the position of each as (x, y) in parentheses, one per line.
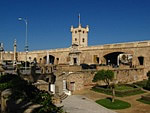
(26, 38)
(1, 50)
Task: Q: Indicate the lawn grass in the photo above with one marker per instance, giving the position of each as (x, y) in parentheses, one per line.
(117, 104)
(143, 101)
(123, 87)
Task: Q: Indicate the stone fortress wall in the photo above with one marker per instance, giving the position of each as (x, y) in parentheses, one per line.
(87, 53)
(104, 56)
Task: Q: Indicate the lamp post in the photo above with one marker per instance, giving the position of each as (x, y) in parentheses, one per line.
(1, 50)
(26, 39)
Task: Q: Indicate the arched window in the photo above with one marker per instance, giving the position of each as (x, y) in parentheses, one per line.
(75, 39)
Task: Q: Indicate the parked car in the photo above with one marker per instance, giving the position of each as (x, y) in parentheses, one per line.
(93, 66)
(85, 66)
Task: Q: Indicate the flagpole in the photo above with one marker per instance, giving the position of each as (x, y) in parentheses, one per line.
(79, 19)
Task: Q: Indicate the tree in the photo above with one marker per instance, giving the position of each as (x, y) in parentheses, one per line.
(27, 92)
(104, 75)
(148, 74)
(107, 76)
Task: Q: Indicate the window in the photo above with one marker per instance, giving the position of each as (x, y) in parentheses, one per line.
(57, 60)
(83, 40)
(75, 31)
(75, 39)
(30, 58)
(83, 32)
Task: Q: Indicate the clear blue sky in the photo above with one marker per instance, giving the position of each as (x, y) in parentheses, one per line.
(110, 21)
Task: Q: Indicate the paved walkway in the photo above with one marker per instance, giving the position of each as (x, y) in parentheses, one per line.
(81, 104)
(136, 106)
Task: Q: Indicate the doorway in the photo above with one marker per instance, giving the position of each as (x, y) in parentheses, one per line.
(75, 61)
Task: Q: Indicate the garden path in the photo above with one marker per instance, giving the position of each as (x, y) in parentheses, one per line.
(81, 104)
(136, 106)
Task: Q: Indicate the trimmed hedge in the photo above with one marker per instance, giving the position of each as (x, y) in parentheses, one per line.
(119, 93)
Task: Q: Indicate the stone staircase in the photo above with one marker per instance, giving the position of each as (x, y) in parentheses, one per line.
(63, 96)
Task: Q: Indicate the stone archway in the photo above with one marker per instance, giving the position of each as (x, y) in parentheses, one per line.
(112, 58)
(49, 60)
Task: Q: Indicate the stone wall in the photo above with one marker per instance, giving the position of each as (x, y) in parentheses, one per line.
(87, 55)
(79, 80)
(129, 75)
(69, 68)
(82, 79)
(75, 81)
